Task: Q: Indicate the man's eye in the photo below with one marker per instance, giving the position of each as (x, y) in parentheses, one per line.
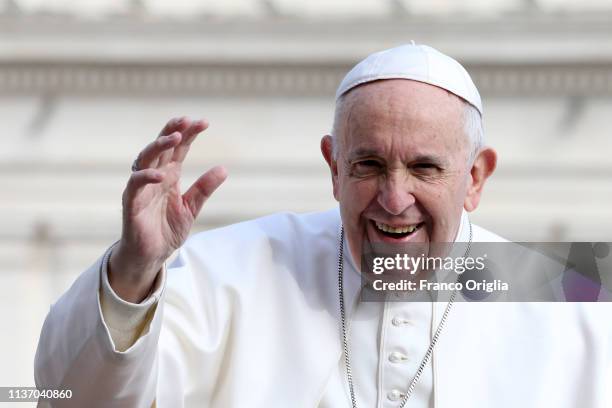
(366, 167)
(368, 164)
(425, 166)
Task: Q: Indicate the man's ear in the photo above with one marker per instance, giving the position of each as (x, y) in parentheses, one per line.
(483, 166)
(327, 148)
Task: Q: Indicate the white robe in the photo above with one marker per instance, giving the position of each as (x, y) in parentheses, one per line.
(248, 316)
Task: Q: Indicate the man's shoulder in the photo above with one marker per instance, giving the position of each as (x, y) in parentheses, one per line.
(247, 254)
(283, 230)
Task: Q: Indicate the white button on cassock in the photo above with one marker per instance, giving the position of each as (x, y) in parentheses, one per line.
(397, 357)
(399, 321)
(394, 395)
(404, 339)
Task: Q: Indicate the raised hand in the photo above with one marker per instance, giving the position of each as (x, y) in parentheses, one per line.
(157, 218)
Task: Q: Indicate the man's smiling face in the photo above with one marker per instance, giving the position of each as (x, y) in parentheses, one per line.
(401, 171)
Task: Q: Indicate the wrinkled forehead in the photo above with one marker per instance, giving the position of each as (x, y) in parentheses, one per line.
(403, 93)
(400, 108)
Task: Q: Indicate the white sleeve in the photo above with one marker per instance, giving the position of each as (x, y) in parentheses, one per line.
(127, 321)
(76, 349)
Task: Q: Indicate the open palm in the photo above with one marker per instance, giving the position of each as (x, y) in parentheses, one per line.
(157, 218)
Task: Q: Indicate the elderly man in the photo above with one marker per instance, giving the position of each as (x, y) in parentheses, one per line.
(267, 313)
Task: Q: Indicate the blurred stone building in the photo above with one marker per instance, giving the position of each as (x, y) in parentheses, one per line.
(84, 85)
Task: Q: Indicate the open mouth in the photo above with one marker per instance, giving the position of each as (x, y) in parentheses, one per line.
(398, 231)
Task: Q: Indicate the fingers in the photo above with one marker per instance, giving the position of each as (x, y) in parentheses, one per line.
(151, 155)
(139, 180)
(172, 144)
(189, 135)
(174, 125)
(203, 188)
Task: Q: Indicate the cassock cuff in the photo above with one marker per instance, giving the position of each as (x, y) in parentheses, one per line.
(127, 321)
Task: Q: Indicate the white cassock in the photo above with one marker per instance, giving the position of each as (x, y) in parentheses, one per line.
(247, 315)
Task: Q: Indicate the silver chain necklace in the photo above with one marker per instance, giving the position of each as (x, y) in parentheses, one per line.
(434, 340)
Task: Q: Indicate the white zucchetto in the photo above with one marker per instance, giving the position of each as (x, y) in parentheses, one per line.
(416, 62)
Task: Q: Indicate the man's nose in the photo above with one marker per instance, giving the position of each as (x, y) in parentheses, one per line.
(395, 194)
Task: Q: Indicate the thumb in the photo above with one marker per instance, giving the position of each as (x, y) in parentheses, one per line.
(203, 188)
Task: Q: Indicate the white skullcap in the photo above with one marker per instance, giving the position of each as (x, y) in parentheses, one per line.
(417, 62)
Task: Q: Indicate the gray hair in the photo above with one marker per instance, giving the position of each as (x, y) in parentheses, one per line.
(474, 130)
(472, 126)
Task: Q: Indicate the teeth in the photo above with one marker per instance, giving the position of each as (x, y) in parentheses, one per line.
(396, 230)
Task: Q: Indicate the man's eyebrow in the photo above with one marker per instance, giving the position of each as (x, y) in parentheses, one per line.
(427, 158)
(364, 152)
(373, 152)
